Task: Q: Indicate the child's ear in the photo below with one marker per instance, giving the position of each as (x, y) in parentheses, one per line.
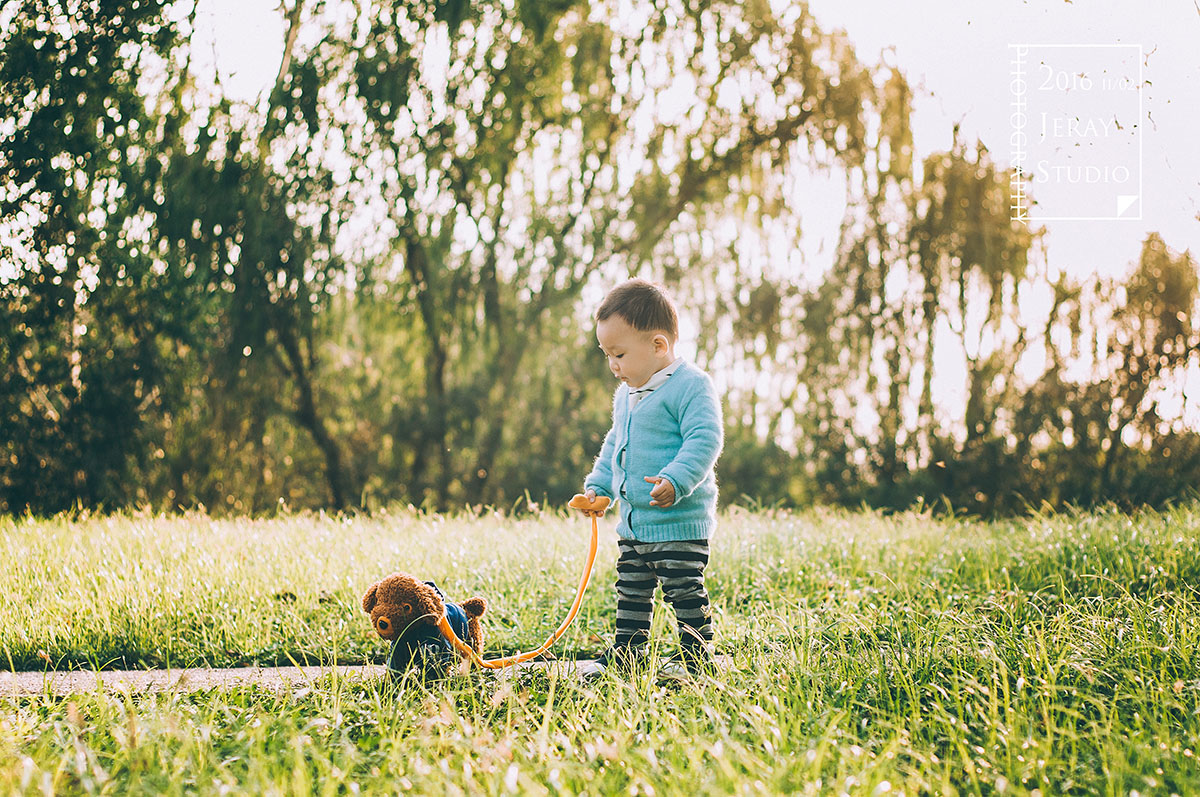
(661, 343)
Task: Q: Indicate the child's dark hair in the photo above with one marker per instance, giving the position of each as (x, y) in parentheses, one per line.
(643, 306)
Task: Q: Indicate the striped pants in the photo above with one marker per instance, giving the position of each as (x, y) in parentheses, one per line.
(680, 568)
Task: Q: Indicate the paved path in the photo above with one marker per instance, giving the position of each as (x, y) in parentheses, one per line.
(61, 683)
(70, 682)
(15, 684)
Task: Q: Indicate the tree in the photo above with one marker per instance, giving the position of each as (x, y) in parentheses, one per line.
(520, 150)
(83, 310)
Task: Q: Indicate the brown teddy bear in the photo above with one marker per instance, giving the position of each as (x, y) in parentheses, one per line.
(405, 612)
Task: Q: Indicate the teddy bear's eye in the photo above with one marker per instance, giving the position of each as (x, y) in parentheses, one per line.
(383, 624)
(407, 607)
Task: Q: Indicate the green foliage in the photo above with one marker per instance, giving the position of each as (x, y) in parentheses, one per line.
(81, 317)
(372, 285)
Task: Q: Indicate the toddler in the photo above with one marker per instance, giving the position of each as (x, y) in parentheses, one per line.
(658, 459)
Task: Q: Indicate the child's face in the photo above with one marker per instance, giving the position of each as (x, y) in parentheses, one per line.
(633, 356)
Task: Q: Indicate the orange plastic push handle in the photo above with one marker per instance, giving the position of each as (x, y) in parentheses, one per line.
(594, 510)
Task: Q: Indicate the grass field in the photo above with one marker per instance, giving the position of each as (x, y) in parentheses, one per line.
(871, 655)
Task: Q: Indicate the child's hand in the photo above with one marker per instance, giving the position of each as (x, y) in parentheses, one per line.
(663, 493)
(591, 496)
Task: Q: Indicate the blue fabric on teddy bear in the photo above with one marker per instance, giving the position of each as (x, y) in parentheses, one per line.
(422, 646)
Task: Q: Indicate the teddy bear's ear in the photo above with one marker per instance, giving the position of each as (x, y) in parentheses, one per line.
(429, 605)
(368, 602)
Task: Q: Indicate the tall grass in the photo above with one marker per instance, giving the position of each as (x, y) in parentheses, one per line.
(870, 655)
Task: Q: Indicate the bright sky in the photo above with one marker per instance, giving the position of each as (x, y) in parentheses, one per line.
(959, 52)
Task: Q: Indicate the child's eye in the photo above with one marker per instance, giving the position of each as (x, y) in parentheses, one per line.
(619, 356)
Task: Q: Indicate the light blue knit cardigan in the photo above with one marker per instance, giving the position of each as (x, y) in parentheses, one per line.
(676, 432)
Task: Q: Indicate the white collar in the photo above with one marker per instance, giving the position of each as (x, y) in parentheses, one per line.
(660, 376)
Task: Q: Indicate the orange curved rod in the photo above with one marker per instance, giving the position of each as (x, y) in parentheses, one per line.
(594, 510)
